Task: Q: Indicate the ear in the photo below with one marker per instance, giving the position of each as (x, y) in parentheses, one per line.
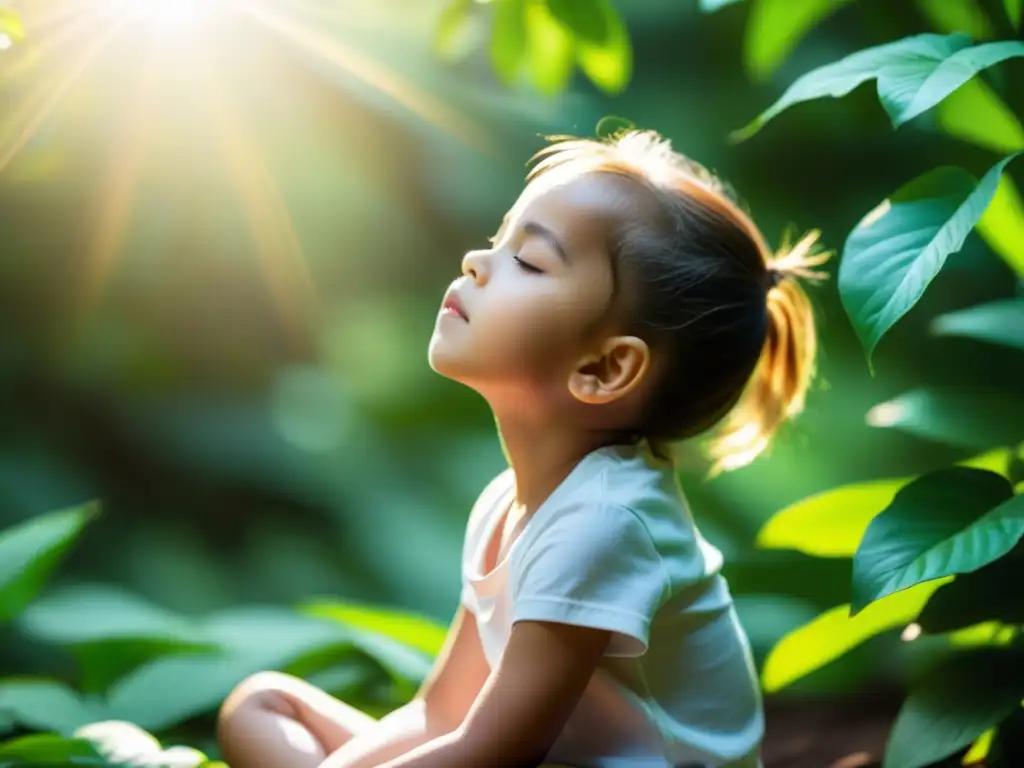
(612, 372)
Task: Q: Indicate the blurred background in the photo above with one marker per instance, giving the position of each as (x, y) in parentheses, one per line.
(224, 234)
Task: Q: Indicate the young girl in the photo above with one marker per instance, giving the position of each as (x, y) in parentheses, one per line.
(625, 303)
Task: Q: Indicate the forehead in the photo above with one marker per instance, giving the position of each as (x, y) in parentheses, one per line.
(578, 206)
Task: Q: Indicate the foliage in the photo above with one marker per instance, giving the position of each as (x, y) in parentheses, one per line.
(141, 666)
(543, 41)
(939, 549)
(962, 522)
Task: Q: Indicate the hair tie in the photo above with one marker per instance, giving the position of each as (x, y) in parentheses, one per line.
(774, 277)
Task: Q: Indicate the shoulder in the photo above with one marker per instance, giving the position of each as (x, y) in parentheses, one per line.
(630, 503)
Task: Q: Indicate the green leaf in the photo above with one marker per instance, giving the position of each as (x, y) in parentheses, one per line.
(989, 594)
(947, 77)
(774, 28)
(87, 613)
(947, 522)
(1014, 12)
(455, 34)
(45, 705)
(410, 629)
(608, 64)
(30, 551)
(832, 523)
(895, 252)
(835, 632)
(48, 749)
(1002, 226)
(968, 418)
(11, 26)
(954, 704)
(999, 322)
(170, 690)
(829, 524)
(508, 39)
(975, 113)
(552, 56)
(710, 6)
(900, 68)
(585, 19)
(112, 631)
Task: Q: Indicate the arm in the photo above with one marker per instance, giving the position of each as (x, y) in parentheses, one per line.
(525, 703)
(441, 705)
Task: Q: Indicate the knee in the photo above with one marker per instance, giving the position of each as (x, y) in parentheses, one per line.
(262, 692)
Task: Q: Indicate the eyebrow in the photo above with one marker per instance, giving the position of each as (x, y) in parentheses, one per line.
(533, 229)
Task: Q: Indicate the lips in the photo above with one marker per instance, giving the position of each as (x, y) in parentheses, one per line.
(453, 304)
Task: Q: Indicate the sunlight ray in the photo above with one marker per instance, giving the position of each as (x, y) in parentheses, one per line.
(372, 73)
(40, 104)
(116, 199)
(56, 34)
(271, 228)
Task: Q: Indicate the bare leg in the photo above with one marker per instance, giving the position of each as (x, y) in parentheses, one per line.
(272, 720)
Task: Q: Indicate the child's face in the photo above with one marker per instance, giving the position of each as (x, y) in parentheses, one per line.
(525, 311)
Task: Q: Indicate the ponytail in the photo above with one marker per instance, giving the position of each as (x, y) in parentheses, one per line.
(777, 390)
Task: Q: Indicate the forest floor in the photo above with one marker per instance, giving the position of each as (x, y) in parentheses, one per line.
(841, 734)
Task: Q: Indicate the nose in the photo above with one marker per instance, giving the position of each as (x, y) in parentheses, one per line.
(475, 265)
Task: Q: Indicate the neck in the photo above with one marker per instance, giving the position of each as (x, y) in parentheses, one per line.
(542, 455)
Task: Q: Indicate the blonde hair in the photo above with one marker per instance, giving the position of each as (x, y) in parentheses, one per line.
(708, 293)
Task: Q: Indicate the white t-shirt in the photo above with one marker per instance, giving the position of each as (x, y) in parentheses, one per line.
(614, 547)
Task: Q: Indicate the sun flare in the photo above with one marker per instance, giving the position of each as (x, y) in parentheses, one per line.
(181, 89)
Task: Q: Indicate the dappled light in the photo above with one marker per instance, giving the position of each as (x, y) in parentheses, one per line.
(226, 228)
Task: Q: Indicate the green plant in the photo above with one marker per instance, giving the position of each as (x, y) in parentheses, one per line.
(936, 554)
(143, 668)
(542, 41)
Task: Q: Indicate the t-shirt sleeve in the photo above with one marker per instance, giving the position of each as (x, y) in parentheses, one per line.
(594, 565)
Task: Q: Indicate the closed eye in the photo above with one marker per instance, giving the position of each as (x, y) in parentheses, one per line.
(527, 267)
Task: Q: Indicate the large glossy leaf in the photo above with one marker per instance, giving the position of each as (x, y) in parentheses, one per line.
(991, 594)
(1002, 225)
(832, 523)
(46, 705)
(1000, 322)
(969, 418)
(508, 39)
(775, 27)
(411, 629)
(111, 631)
(829, 524)
(900, 69)
(835, 633)
(912, 75)
(949, 75)
(607, 62)
(30, 551)
(951, 521)
(49, 750)
(88, 613)
(897, 250)
(551, 58)
(169, 690)
(954, 704)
